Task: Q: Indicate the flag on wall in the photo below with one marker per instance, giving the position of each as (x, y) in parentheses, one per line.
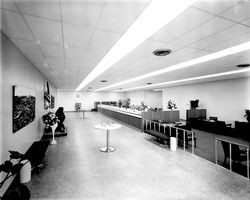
(46, 95)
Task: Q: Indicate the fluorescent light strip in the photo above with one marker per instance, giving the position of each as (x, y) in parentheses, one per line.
(154, 17)
(202, 59)
(188, 79)
(158, 90)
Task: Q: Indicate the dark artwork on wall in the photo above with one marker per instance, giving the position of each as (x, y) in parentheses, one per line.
(52, 103)
(194, 104)
(46, 95)
(23, 107)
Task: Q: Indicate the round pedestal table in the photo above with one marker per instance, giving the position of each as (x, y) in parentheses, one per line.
(107, 127)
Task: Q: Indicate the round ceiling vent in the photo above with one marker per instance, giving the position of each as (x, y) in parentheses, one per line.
(161, 52)
(243, 65)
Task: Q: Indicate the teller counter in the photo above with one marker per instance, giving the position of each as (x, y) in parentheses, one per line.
(129, 118)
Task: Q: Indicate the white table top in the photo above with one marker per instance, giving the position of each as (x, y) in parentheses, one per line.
(105, 126)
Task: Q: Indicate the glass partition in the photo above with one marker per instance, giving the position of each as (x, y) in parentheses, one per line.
(234, 156)
(228, 152)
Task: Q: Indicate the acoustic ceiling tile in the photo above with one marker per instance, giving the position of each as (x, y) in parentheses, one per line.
(143, 61)
(8, 5)
(56, 61)
(84, 13)
(230, 43)
(103, 40)
(46, 9)
(246, 22)
(52, 50)
(88, 64)
(183, 23)
(127, 60)
(45, 30)
(195, 54)
(74, 53)
(14, 26)
(35, 59)
(27, 46)
(73, 62)
(94, 55)
(224, 36)
(214, 6)
(211, 27)
(179, 54)
(125, 13)
(239, 12)
(77, 36)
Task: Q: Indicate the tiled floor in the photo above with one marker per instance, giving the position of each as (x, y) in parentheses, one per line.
(138, 169)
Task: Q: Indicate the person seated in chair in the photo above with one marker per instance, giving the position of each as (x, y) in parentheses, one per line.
(61, 117)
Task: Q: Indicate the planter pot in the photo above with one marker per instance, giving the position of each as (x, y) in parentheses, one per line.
(53, 141)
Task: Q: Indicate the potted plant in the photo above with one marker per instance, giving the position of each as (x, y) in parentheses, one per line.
(171, 105)
(78, 107)
(143, 106)
(12, 168)
(247, 115)
(127, 103)
(50, 120)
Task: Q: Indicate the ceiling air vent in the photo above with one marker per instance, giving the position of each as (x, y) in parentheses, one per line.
(161, 52)
(243, 65)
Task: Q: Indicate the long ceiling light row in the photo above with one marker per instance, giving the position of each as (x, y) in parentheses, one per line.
(226, 52)
(157, 14)
(187, 80)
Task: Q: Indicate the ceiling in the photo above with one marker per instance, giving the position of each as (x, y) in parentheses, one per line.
(66, 39)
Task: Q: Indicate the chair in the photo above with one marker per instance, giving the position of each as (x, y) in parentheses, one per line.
(236, 153)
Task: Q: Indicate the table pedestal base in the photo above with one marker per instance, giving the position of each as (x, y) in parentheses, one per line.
(107, 149)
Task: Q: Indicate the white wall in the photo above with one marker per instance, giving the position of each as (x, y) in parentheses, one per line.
(151, 98)
(67, 99)
(17, 70)
(225, 99)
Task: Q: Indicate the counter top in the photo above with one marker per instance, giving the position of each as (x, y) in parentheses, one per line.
(117, 109)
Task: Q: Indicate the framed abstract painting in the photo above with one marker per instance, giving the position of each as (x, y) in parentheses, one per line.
(24, 105)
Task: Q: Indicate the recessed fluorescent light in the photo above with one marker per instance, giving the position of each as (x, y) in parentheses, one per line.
(202, 59)
(189, 79)
(157, 14)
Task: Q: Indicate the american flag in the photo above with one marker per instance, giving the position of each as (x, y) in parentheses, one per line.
(46, 92)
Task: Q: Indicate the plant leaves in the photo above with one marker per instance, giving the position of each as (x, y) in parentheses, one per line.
(15, 155)
(16, 168)
(6, 167)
